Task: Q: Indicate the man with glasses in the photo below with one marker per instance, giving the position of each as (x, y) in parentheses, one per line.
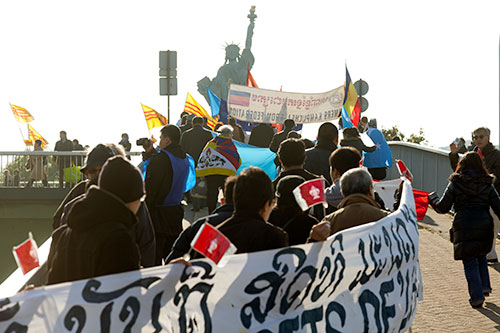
(491, 156)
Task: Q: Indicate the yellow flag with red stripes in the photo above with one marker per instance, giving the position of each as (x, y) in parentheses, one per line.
(153, 118)
(192, 106)
(34, 135)
(22, 115)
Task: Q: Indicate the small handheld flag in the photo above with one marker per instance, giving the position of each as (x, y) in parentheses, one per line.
(212, 244)
(310, 193)
(26, 255)
(404, 171)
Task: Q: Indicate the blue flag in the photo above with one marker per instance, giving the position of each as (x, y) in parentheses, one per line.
(382, 157)
(214, 103)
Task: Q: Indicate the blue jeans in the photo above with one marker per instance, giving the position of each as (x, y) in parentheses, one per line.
(478, 278)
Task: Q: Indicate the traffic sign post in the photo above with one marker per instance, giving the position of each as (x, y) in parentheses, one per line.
(362, 89)
(168, 76)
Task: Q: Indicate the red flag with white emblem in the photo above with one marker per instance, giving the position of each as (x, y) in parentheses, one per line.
(404, 171)
(310, 193)
(212, 244)
(26, 255)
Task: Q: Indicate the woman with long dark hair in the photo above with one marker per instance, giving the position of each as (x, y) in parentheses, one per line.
(471, 193)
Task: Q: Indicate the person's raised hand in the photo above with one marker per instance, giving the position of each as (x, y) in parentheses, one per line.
(320, 231)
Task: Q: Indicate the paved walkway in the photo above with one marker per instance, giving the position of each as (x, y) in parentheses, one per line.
(445, 307)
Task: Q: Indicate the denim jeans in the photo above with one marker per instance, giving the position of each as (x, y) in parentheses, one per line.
(478, 278)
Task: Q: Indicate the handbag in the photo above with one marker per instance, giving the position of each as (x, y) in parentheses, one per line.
(72, 174)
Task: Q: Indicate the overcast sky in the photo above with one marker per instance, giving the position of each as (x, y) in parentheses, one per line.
(85, 67)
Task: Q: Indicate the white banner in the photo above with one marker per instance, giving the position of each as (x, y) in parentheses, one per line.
(270, 106)
(365, 278)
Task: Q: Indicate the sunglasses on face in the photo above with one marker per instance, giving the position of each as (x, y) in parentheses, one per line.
(475, 137)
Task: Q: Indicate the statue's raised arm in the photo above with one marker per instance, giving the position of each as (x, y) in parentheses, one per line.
(252, 17)
(247, 59)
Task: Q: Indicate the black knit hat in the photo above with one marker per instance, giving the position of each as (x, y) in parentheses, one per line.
(121, 178)
(284, 190)
(97, 157)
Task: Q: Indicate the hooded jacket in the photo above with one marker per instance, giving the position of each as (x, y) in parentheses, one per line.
(98, 240)
(471, 195)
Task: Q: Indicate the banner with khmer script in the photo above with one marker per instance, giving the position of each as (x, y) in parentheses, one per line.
(362, 279)
(270, 106)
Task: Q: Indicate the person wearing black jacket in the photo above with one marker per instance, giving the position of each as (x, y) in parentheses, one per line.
(292, 154)
(471, 193)
(99, 238)
(166, 174)
(491, 156)
(288, 215)
(261, 135)
(194, 140)
(63, 161)
(317, 158)
(352, 139)
(278, 138)
(253, 200)
(182, 244)
(144, 232)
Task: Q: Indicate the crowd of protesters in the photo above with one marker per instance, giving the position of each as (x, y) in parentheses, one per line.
(135, 214)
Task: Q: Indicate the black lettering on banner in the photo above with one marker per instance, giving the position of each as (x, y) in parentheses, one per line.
(362, 276)
(402, 224)
(285, 303)
(16, 328)
(368, 297)
(289, 325)
(155, 312)
(388, 243)
(75, 315)
(338, 259)
(325, 269)
(398, 257)
(9, 312)
(90, 294)
(184, 292)
(105, 318)
(339, 309)
(274, 281)
(130, 307)
(387, 311)
(311, 317)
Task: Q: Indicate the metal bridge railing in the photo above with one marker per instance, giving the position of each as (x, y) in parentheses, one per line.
(49, 169)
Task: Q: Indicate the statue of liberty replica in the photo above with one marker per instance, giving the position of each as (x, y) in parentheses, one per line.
(234, 68)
